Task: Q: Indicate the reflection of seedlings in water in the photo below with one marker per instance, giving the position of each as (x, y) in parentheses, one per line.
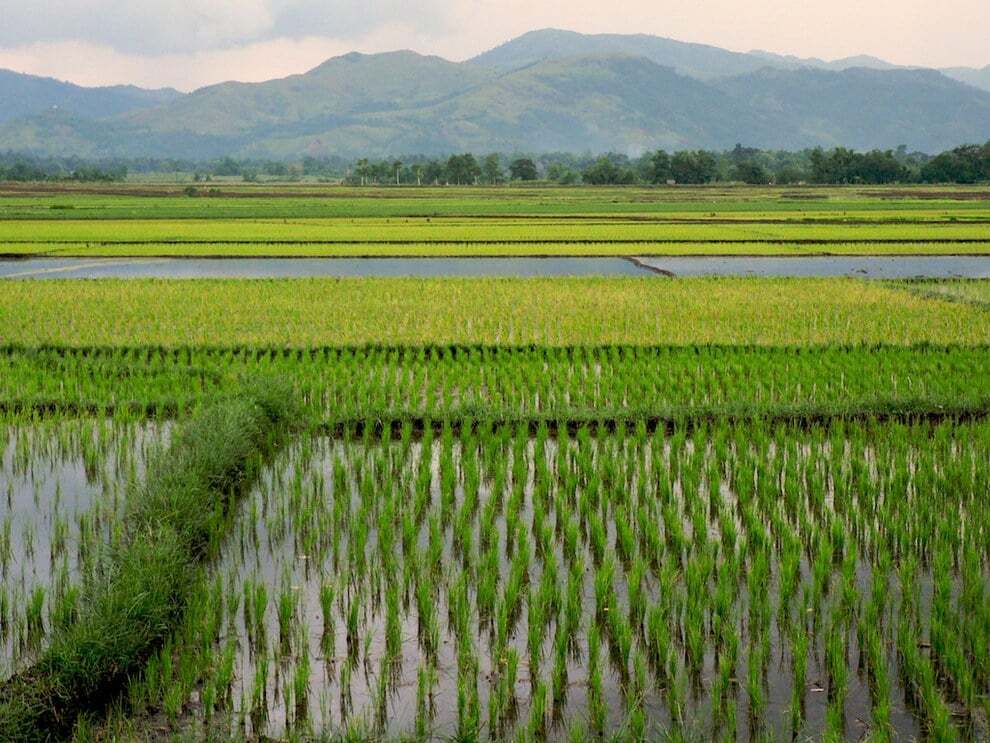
(538, 712)
(328, 640)
(287, 603)
(345, 688)
(596, 702)
(300, 681)
(426, 681)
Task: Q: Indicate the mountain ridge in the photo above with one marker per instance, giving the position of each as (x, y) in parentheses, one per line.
(690, 57)
(614, 94)
(25, 95)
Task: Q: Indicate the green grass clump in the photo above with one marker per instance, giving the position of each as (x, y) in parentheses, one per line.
(133, 600)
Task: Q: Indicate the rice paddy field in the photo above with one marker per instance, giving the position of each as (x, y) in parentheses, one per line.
(622, 509)
(236, 220)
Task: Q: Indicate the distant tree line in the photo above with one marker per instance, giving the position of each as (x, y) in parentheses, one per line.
(23, 168)
(969, 164)
(965, 165)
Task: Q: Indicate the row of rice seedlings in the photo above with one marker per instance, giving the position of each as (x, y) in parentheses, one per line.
(350, 384)
(478, 205)
(490, 582)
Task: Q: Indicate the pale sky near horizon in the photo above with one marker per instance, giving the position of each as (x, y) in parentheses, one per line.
(190, 43)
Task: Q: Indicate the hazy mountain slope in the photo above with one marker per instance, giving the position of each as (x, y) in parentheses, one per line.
(976, 78)
(600, 103)
(342, 86)
(62, 134)
(863, 108)
(26, 95)
(697, 60)
(592, 103)
(630, 104)
(789, 61)
(402, 103)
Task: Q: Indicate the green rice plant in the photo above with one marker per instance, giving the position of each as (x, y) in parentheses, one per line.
(637, 598)
(468, 707)
(537, 728)
(636, 722)
(34, 616)
(558, 674)
(328, 640)
(259, 694)
(300, 681)
(721, 696)
(353, 626)
(425, 682)
(287, 607)
(535, 624)
(574, 609)
(346, 700)
(604, 590)
(835, 723)
(835, 662)
(754, 683)
(393, 631)
(799, 673)
(224, 674)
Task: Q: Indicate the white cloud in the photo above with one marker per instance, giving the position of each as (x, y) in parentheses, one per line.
(91, 64)
(135, 26)
(155, 27)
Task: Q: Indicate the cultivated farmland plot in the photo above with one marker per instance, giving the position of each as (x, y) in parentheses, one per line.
(477, 509)
(736, 581)
(292, 222)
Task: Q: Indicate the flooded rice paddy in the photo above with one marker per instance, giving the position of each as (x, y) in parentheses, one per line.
(899, 267)
(739, 581)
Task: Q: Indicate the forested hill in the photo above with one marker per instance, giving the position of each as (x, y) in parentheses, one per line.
(612, 95)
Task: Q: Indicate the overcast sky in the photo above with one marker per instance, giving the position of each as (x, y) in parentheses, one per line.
(190, 43)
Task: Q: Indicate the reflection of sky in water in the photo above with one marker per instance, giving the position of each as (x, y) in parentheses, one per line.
(65, 268)
(886, 267)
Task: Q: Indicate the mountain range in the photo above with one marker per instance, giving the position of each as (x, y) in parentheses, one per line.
(547, 90)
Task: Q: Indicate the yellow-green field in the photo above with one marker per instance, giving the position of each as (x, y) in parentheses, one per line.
(337, 221)
(302, 313)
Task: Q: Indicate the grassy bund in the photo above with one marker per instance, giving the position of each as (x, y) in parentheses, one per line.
(528, 509)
